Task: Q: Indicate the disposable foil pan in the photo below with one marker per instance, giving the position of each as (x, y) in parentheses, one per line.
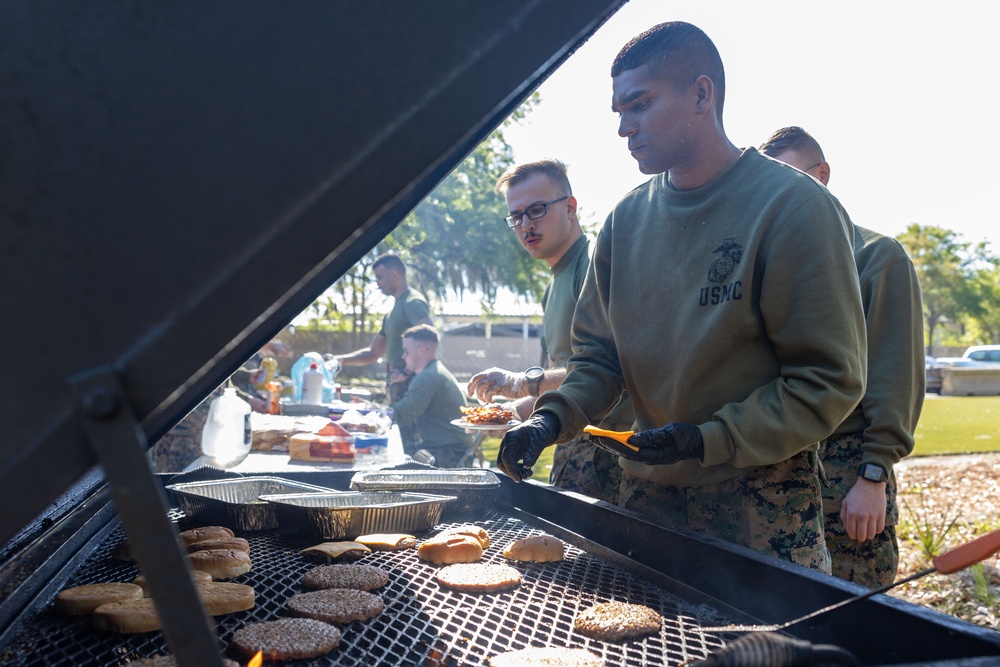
(335, 515)
(472, 487)
(236, 503)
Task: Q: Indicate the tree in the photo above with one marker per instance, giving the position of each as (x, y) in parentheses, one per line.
(455, 239)
(943, 266)
(984, 290)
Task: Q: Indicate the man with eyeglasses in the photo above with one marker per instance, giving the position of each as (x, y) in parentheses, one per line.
(859, 496)
(431, 403)
(722, 294)
(543, 215)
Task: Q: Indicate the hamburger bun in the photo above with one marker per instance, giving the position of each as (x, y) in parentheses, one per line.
(444, 549)
(235, 543)
(204, 533)
(85, 599)
(535, 549)
(473, 531)
(197, 576)
(221, 563)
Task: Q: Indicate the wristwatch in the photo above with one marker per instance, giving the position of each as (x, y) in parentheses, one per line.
(872, 472)
(534, 377)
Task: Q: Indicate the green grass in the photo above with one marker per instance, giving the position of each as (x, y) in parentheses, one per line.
(948, 425)
(958, 425)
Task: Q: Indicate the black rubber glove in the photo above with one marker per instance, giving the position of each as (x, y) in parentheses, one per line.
(672, 443)
(522, 445)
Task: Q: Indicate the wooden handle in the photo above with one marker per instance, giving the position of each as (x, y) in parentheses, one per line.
(962, 557)
(619, 436)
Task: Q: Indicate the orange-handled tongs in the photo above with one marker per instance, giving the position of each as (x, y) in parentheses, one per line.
(620, 436)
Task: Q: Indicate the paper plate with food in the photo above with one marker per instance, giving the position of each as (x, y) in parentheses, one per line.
(489, 417)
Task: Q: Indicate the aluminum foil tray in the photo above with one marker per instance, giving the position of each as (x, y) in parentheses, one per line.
(471, 487)
(236, 503)
(334, 515)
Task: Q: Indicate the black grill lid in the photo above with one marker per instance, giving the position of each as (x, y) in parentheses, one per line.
(179, 180)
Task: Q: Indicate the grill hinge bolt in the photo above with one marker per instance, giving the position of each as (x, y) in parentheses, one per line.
(100, 404)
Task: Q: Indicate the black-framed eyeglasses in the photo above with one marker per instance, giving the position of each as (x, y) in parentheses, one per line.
(534, 212)
(808, 169)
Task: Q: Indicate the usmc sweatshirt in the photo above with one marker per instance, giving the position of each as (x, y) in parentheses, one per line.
(890, 294)
(735, 306)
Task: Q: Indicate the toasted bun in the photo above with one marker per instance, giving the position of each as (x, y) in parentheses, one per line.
(444, 549)
(85, 599)
(536, 549)
(127, 617)
(197, 576)
(473, 531)
(221, 563)
(223, 597)
(235, 543)
(205, 533)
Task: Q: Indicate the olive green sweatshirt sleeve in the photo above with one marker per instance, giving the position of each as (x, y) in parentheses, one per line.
(890, 291)
(735, 307)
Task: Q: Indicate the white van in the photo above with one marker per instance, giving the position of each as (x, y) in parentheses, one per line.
(987, 353)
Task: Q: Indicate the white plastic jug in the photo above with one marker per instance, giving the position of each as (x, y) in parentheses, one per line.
(312, 385)
(301, 366)
(227, 435)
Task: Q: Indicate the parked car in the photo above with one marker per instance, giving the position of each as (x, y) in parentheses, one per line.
(983, 353)
(959, 362)
(932, 374)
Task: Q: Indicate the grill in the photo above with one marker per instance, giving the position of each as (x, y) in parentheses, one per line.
(694, 582)
(292, 167)
(422, 624)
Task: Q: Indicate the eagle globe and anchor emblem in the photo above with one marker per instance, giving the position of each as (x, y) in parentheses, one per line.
(730, 254)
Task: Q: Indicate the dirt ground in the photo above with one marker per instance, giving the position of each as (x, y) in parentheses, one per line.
(963, 492)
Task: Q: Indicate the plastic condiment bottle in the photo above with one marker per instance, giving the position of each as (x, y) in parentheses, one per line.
(270, 366)
(274, 404)
(312, 385)
(227, 434)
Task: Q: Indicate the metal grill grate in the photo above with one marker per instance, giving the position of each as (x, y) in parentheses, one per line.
(423, 623)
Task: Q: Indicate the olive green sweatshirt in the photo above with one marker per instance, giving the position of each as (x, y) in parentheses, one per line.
(890, 294)
(735, 306)
(431, 403)
(558, 305)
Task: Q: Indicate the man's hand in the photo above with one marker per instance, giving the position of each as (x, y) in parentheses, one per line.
(522, 445)
(863, 510)
(659, 446)
(497, 382)
(396, 376)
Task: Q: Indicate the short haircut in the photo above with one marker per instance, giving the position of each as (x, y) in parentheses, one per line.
(518, 173)
(390, 261)
(677, 51)
(791, 138)
(424, 333)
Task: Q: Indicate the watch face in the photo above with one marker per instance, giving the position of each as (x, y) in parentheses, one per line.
(534, 373)
(873, 473)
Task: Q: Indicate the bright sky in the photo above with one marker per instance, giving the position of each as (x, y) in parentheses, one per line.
(904, 98)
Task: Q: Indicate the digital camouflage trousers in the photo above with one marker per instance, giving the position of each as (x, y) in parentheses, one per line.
(583, 467)
(773, 509)
(871, 563)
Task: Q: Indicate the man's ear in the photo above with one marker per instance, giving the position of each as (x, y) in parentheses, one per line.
(571, 206)
(823, 172)
(705, 91)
